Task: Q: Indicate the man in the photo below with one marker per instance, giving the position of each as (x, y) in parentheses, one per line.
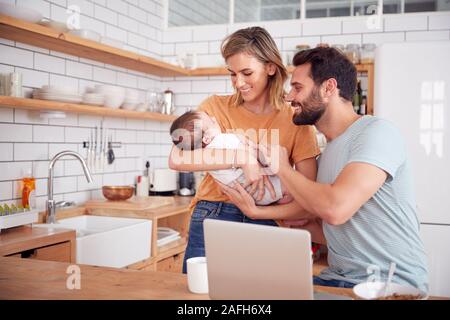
(363, 194)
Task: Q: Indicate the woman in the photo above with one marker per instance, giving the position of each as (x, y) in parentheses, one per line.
(256, 109)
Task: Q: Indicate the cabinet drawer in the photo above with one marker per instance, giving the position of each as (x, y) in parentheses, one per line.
(171, 264)
(57, 252)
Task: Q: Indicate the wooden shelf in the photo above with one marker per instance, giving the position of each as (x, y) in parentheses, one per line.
(222, 71)
(36, 104)
(48, 38)
(172, 248)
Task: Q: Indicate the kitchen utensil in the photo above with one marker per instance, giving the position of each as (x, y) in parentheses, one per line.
(391, 274)
(375, 290)
(163, 181)
(186, 183)
(168, 105)
(111, 155)
(118, 193)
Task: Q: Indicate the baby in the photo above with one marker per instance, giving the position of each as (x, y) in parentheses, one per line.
(205, 132)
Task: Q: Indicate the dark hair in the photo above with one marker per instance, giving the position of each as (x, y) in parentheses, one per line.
(181, 125)
(329, 63)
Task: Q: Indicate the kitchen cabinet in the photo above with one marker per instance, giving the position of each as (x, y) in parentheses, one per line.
(38, 243)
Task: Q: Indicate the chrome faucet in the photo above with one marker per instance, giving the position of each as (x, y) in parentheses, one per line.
(51, 204)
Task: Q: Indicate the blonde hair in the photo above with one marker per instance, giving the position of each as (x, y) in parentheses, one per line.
(257, 42)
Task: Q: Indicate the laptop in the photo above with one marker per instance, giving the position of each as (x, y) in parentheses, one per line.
(256, 262)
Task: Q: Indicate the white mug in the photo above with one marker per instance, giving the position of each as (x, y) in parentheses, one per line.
(197, 275)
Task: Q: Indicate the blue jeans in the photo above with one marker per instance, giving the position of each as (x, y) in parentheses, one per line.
(332, 283)
(212, 210)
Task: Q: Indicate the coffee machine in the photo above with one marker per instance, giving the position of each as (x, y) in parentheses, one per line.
(187, 183)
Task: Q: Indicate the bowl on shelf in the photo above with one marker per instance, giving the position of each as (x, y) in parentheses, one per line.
(113, 101)
(118, 193)
(20, 12)
(59, 26)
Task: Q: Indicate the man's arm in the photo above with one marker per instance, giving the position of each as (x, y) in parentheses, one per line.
(335, 203)
(292, 210)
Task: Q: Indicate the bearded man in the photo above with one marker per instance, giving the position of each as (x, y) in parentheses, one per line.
(363, 197)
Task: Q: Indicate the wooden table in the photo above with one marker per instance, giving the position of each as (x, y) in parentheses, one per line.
(33, 279)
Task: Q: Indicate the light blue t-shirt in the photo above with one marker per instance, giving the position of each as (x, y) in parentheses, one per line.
(386, 228)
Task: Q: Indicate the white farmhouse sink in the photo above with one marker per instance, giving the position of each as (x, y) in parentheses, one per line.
(108, 241)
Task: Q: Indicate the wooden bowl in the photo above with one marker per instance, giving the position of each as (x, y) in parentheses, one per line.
(118, 193)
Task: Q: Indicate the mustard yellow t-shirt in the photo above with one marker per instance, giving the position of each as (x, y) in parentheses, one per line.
(300, 141)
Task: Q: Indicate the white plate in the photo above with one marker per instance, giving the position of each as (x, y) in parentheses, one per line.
(60, 98)
(19, 12)
(69, 91)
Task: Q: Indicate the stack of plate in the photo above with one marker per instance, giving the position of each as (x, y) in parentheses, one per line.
(94, 99)
(166, 235)
(131, 99)
(58, 93)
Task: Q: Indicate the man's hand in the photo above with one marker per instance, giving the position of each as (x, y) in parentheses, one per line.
(241, 198)
(275, 157)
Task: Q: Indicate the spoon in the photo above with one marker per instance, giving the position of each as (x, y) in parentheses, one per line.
(391, 274)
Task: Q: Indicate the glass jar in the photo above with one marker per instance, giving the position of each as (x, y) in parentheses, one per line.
(352, 52)
(301, 47)
(368, 53)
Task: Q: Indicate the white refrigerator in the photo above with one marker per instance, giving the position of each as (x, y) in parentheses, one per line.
(412, 89)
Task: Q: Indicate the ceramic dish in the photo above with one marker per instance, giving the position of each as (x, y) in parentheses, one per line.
(19, 12)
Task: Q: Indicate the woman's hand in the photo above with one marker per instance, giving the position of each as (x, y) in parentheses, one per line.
(241, 198)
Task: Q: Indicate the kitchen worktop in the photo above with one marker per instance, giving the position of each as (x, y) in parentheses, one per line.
(25, 237)
(33, 279)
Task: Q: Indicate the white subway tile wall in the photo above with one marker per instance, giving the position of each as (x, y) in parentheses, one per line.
(28, 142)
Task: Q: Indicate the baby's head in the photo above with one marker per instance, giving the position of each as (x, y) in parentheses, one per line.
(194, 130)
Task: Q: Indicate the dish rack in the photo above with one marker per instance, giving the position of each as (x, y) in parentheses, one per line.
(18, 219)
(166, 235)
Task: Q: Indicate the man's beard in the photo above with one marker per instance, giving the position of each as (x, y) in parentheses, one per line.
(312, 109)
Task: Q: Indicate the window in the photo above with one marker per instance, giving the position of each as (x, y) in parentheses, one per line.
(265, 10)
(205, 12)
(342, 8)
(198, 12)
(405, 6)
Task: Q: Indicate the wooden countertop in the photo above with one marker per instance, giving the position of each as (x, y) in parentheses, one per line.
(33, 279)
(180, 205)
(25, 237)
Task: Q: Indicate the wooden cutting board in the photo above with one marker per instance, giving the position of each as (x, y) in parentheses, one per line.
(134, 204)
